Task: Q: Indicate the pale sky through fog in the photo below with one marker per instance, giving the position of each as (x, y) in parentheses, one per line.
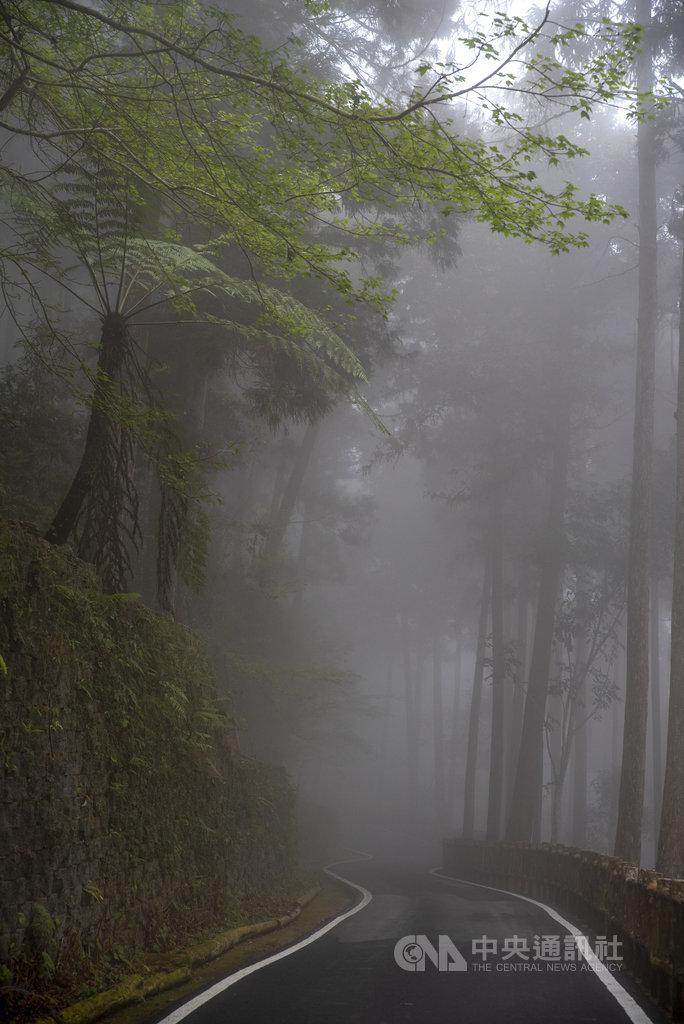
(478, 15)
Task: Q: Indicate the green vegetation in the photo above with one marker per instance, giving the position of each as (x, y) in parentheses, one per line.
(41, 434)
(284, 177)
(209, 241)
(145, 825)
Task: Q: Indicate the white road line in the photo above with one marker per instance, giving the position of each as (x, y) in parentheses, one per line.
(204, 997)
(628, 1004)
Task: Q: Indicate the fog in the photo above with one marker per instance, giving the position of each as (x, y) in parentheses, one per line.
(402, 528)
(493, 354)
(386, 748)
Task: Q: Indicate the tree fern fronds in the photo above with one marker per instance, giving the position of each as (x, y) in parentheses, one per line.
(257, 313)
(133, 274)
(82, 214)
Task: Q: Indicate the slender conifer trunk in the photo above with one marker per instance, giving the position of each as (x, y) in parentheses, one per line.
(633, 770)
(523, 825)
(496, 760)
(475, 706)
(670, 860)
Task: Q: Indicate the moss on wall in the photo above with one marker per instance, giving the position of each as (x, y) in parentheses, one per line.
(128, 818)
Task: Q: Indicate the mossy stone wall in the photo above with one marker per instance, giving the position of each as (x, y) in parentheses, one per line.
(128, 818)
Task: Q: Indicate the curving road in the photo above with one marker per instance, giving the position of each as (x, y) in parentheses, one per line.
(501, 959)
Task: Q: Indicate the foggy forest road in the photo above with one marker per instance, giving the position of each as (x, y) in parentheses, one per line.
(351, 975)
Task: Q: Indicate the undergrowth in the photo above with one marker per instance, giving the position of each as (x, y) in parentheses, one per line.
(134, 823)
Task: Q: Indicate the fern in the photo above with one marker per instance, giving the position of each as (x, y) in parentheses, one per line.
(97, 218)
(257, 313)
(298, 362)
(84, 212)
(249, 314)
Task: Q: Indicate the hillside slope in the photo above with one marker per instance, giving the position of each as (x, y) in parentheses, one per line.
(128, 818)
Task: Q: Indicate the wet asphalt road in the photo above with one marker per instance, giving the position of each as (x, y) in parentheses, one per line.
(351, 974)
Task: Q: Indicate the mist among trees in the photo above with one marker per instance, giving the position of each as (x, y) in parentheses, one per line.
(348, 335)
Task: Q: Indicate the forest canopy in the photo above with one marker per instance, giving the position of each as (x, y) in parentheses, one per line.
(218, 221)
(132, 133)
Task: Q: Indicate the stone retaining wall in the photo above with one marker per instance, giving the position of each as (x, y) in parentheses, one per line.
(644, 909)
(128, 818)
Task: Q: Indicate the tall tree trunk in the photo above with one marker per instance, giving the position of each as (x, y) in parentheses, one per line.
(496, 762)
(305, 546)
(475, 706)
(670, 859)
(438, 722)
(524, 823)
(291, 493)
(383, 762)
(631, 800)
(555, 748)
(282, 457)
(656, 727)
(456, 725)
(578, 725)
(617, 719)
(519, 684)
(412, 706)
(175, 507)
(103, 483)
(579, 779)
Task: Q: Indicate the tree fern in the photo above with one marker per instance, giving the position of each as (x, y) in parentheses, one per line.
(95, 220)
(254, 313)
(299, 363)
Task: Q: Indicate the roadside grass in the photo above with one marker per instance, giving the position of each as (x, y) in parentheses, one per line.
(333, 899)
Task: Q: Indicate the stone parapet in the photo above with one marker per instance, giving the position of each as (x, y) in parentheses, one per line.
(603, 893)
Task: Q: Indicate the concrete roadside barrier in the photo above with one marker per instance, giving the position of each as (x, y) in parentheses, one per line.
(644, 909)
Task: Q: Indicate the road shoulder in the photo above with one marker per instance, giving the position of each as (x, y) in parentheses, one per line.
(169, 978)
